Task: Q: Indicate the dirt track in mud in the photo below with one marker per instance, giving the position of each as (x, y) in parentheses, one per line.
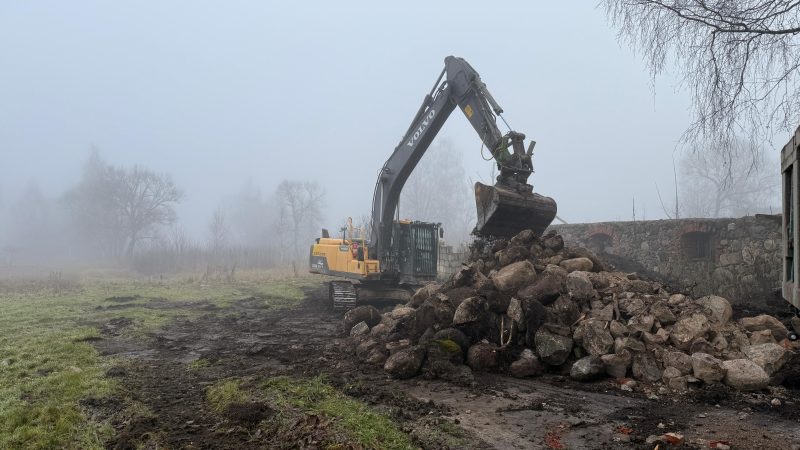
(252, 340)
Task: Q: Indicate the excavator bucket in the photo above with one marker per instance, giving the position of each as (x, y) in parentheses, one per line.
(503, 212)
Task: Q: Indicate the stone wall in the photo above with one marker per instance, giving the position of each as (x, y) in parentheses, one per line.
(736, 258)
(450, 260)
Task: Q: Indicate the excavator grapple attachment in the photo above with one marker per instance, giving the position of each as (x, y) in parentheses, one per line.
(504, 211)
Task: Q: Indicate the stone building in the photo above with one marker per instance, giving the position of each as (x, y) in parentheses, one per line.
(736, 258)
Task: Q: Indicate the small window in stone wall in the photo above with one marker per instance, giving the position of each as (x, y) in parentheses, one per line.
(696, 245)
(601, 243)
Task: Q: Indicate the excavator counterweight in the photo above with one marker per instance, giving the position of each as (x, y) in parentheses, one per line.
(504, 211)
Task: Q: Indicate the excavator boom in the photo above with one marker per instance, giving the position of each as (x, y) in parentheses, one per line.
(504, 209)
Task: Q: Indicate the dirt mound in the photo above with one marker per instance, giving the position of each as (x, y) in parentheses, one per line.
(529, 305)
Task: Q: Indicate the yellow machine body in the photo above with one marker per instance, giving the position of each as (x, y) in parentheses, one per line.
(342, 257)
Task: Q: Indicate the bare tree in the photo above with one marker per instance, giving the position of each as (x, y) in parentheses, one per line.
(120, 207)
(439, 191)
(218, 231)
(739, 59)
(716, 186)
(300, 207)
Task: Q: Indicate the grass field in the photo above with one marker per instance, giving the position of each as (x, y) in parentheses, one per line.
(47, 364)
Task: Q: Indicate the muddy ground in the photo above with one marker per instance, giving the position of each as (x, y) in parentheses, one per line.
(252, 340)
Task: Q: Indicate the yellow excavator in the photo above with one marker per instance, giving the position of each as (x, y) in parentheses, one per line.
(401, 255)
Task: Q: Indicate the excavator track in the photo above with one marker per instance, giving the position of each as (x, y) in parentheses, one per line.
(342, 295)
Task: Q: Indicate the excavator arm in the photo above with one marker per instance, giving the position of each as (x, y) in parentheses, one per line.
(459, 85)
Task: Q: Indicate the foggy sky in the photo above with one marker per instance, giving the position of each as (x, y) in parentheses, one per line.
(217, 93)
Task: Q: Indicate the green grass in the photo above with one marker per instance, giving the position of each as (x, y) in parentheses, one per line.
(223, 393)
(47, 366)
(354, 419)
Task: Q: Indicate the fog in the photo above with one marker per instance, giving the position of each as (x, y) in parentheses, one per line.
(223, 95)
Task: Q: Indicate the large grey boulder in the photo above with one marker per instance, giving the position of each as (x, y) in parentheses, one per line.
(679, 360)
(454, 335)
(482, 356)
(617, 364)
(405, 363)
(770, 357)
(717, 308)
(745, 375)
(359, 329)
(470, 310)
(596, 339)
(707, 368)
(554, 242)
(587, 368)
(765, 322)
(645, 368)
(643, 323)
(365, 313)
(628, 343)
(579, 286)
(545, 289)
(577, 264)
(514, 276)
(423, 293)
(552, 348)
(687, 329)
(528, 365)
(661, 312)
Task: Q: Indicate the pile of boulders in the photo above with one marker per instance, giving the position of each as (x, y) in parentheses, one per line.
(530, 305)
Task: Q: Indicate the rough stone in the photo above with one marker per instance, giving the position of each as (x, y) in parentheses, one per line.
(678, 360)
(516, 313)
(359, 329)
(765, 322)
(687, 329)
(617, 364)
(618, 329)
(470, 310)
(364, 313)
(528, 365)
(628, 343)
(577, 264)
(771, 357)
(512, 254)
(402, 312)
(554, 242)
(762, 337)
(796, 325)
(579, 286)
(718, 308)
(645, 368)
(514, 276)
(552, 348)
(454, 335)
(662, 313)
(745, 375)
(643, 323)
(596, 339)
(482, 356)
(707, 368)
(405, 363)
(604, 313)
(565, 310)
(545, 289)
(587, 368)
(423, 293)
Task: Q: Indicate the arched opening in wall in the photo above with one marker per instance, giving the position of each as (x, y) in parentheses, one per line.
(696, 245)
(601, 243)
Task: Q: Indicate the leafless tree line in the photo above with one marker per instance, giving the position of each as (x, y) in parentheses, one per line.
(127, 215)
